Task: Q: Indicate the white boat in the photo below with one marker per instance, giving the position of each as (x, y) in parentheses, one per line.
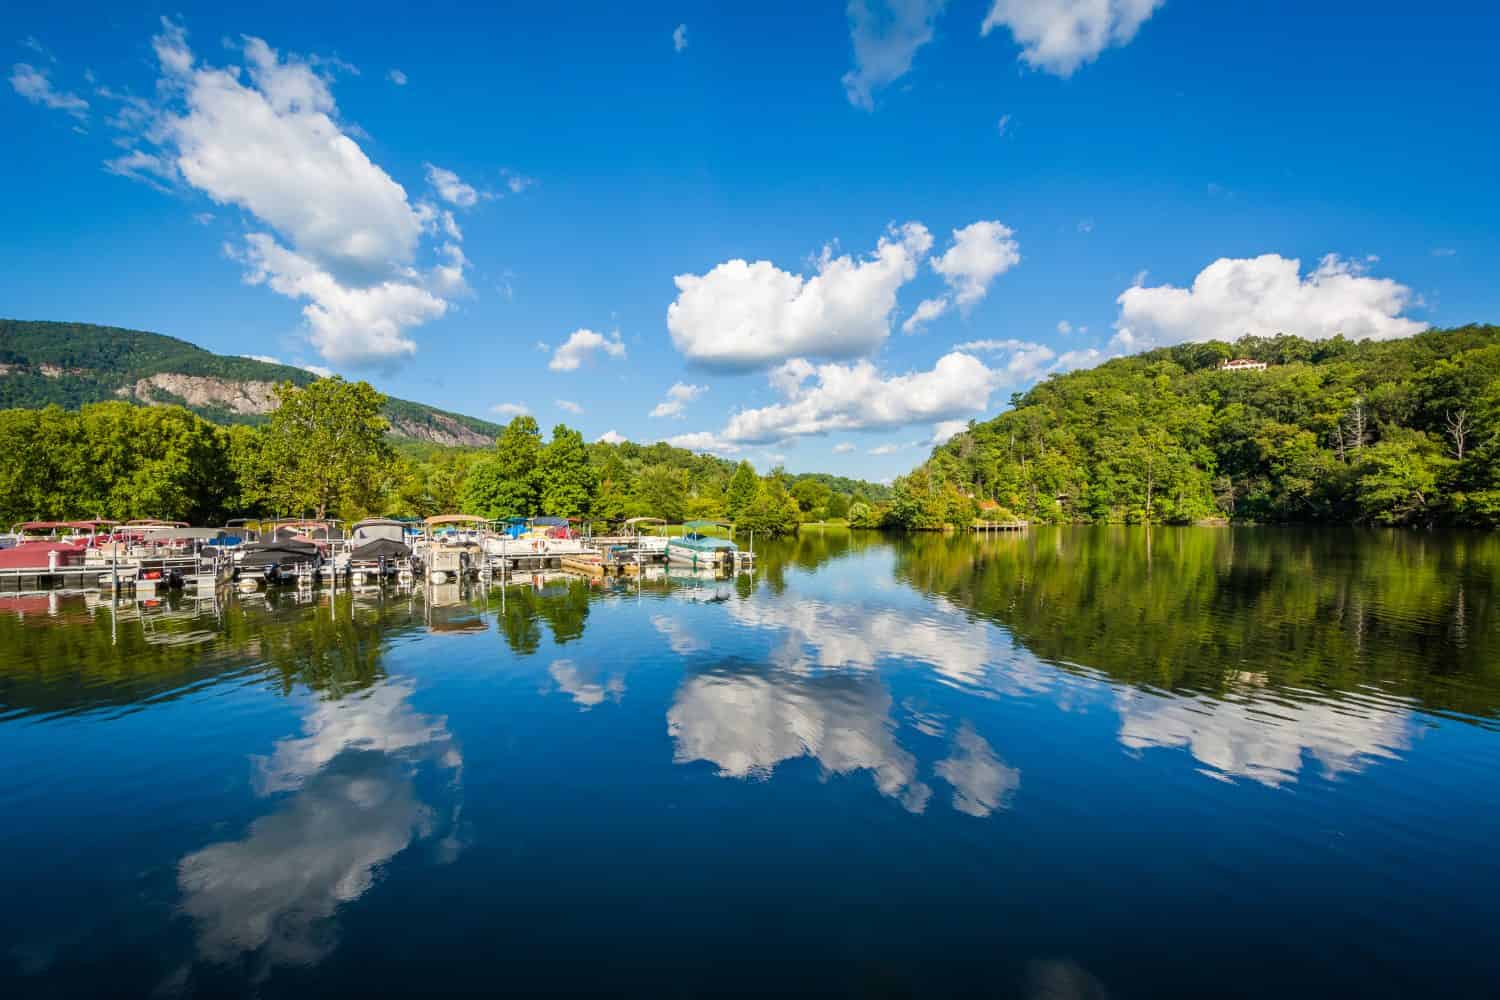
(537, 538)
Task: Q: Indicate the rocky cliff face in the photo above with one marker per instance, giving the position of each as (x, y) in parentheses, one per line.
(256, 398)
(244, 398)
(442, 430)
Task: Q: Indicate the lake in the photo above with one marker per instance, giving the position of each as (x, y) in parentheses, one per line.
(1078, 762)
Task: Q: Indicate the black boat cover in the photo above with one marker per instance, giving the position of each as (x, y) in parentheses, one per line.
(379, 548)
(280, 553)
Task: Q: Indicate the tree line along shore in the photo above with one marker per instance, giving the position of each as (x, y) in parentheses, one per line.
(1402, 432)
(324, 451)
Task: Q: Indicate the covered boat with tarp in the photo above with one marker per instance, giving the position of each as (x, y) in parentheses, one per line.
(277, 557)
(697, 549)
(378, 538)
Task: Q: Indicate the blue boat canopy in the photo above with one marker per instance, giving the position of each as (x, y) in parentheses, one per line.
(550, 522)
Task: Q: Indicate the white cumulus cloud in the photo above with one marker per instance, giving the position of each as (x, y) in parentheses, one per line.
(509, 409)
(347, 324)
(1027, 362)
(33, 84)
(886, 35)
(843, 448)
(397, 77)
(1059, 36)
(679, 38)
(704, 441)
(1264, 296)
(944, 430)
(451, 188)
(978, 254)
(742, 315)
(834, 397)
(677, 399)
(568, 405)
(265, 137)
(611, 436)
(927, 310)
(580, 346)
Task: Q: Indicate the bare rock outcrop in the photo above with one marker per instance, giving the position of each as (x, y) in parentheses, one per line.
(245, 398)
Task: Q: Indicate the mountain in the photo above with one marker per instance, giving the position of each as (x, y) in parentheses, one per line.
(1394, 432)
(69, 364)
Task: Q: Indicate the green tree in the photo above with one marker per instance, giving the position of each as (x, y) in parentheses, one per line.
(810, 494)
(838, 506)
(744, 485)
(325, 449)
(566, 478)
(773, 512)
(661, 491)
(1398, 479)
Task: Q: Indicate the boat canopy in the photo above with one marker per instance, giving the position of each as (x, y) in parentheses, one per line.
(455, 519)
(377, 528)
(55, 525)
(164, 532)
(550, 522)
(645, 520)
(703, 543)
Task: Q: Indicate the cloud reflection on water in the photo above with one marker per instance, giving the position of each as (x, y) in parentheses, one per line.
(1264, 741)
(353, 807)
(747, 722)
(583, 684)
(981, 782)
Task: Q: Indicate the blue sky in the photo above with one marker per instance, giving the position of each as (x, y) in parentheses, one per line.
(752, 208)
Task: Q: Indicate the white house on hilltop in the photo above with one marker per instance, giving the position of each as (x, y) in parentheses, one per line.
(1242, 365)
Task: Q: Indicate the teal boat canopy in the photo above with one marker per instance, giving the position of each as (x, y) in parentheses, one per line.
(702, 543)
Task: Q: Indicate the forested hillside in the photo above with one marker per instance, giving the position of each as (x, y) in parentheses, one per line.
(1394, 432)
(70, 364)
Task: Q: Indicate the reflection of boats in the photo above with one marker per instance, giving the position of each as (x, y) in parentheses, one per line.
(696, 549)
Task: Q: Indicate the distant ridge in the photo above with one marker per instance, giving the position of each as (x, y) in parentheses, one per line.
(69, 364)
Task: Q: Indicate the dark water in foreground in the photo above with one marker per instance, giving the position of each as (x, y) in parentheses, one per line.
(1078, 763)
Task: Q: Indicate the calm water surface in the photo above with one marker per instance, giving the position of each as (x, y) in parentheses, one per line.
(1078, 763)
